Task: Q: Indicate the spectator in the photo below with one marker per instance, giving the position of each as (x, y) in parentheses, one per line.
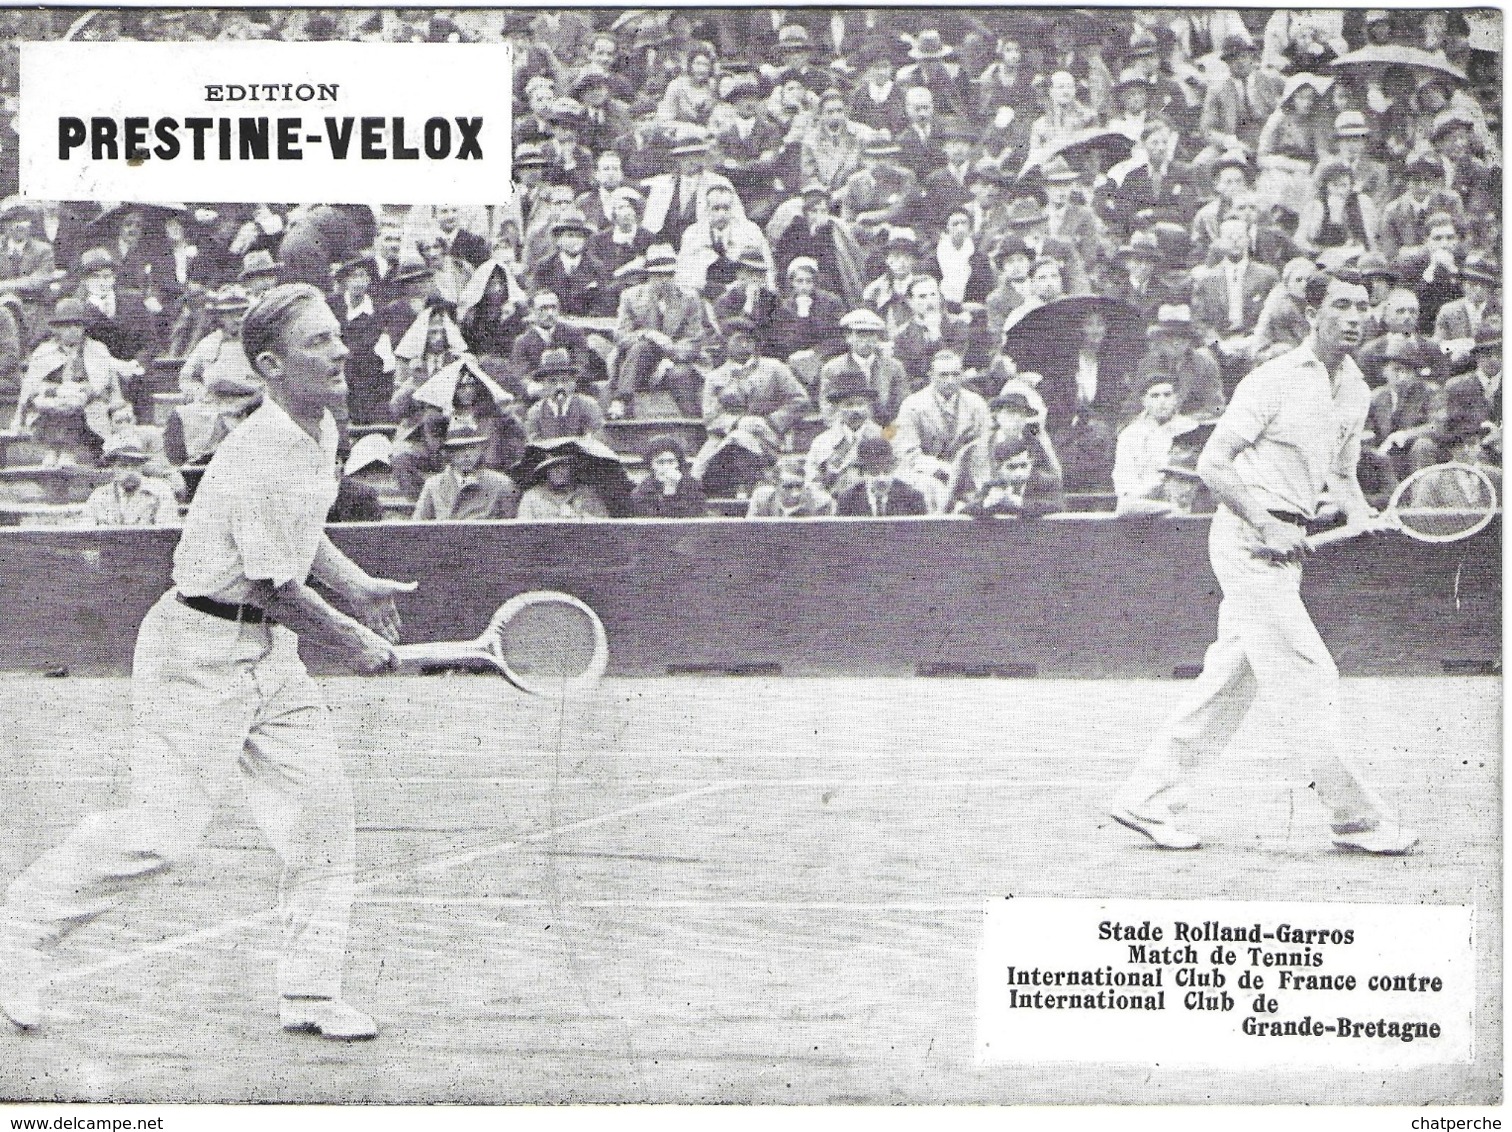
(579, 281)
(1433, 270)
(1340, 221)
(70, 387)
(358, 496)
(675, 200)
(1014, 469)
(1226, 303)
(921, 151)
(1230, 179)
(711, 248)
(1282, 324)
(1069, 221)
(621, 241)
(12, 343)
(750, 296)
(1236, 105)
(493, 306)
(931, 329)
(465, 489)
(749, 403)
(879, 190)
(964, 274)
(116, 319)
(936, 423)
(1367, 175)
(27, 268)
(880, 373)
(660, 332)
(1468, 405)
(831, 460)
(806, 325)
(370, 382)
(1401, 412)
(1086, 384)
(559, 497)
(825, 240)
(788, 495)
(545, 332)
(259, 273)
(1175, 347)
(1400, 319)
(562, 410)
(132, 498)
(888, 293)
(880, 494)
(1064, 114)
(431, 344)
(1459, 320)
(1144, 448)
(669, 491)
(1404, 224)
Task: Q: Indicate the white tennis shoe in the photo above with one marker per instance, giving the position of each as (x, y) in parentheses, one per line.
(328, 1017)
(1384, 839)
(1163, 832)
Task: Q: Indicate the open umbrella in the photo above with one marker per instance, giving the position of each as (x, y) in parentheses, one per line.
(1046, 341)
(1394, 55)
(597, 464)
(1114, 145)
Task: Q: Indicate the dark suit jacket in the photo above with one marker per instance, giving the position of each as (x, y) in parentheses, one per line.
(1410, 408)
(901, 500)
(819, 332)
(923, 157)
(130, 334)
(915, 351)
(1210, 299)
(584, 292)
(525, 354)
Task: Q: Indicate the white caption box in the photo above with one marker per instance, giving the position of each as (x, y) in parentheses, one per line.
(419, 123)
(1226, 983)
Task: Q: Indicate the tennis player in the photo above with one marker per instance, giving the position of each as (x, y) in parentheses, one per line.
(218, 690)
(1292, 429)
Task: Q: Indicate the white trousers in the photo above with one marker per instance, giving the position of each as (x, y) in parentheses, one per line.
(1266, 641)
(212, 698)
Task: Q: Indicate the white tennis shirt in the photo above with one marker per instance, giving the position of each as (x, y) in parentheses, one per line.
(1299, 427)
(260, 511)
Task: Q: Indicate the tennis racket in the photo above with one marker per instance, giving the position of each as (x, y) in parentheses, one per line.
(1440, 503)
(544, 643)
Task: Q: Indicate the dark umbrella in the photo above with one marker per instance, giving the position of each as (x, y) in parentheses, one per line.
(597, 464)
(1113, 145)
(1391, 54)
(1046, 339)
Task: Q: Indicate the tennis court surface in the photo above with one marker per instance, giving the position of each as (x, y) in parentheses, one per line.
(695, 889)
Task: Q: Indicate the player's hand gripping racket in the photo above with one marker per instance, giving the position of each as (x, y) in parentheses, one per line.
(1441, 503)
(544, 643)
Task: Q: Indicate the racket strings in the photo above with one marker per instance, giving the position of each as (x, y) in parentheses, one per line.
(548, 641)
(1446, 502)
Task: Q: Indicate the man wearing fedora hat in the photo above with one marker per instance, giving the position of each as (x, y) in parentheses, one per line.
(944, 187)
(1459, 320)
(1351, 136)
(116, 318)
(879, 492)
(259, 273)
(1071, 220)
(1175, 347)
(578, 279)
(795, 47)
(660, 330)
(1404, 223)
(70, 386)
(561, 409)
(932, 65)
(1237, 103)
(751, 296)
(1468, 403)
(850, 410)
(465, 489)
(27, 267)
(132, 498)
(545, 331)
(219, 351)
(675, 200)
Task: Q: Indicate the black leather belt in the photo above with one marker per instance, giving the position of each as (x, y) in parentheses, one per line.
(226, 610)
(1297, 519)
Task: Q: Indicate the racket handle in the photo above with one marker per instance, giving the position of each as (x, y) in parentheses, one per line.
(437, 653)
(1338, 534)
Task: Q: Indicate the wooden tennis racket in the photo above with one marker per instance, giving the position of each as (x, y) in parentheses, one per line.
(544, 643)
(1439, 503)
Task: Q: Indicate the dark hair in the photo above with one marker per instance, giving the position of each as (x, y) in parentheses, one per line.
(1317, 286)
(262, 329)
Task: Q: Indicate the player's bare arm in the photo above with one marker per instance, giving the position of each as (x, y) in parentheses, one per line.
(1216, 467)
(296, 606)
(370, 599)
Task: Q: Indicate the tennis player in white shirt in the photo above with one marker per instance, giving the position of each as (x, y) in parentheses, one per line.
(1292, 428)
(219, 692)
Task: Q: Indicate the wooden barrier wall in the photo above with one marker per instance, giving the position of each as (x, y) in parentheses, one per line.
(1078, 596)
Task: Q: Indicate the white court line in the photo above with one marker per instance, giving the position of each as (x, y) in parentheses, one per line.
(439, 864)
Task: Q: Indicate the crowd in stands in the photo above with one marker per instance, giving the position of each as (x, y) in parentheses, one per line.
(807, 262)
